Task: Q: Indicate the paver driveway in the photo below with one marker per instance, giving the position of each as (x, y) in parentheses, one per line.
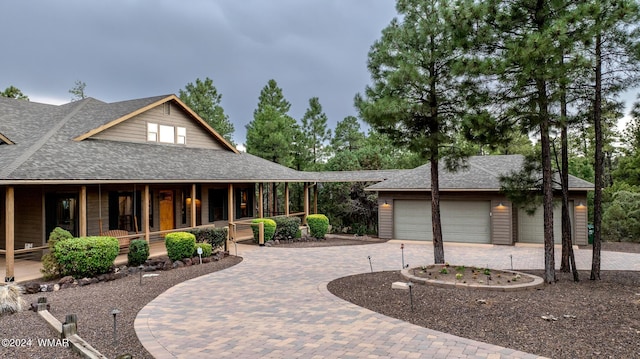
(275, 305)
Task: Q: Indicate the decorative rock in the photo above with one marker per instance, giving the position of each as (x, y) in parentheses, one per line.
(178, 264)
(56, 287)
(549, 318)
(481, 301)
(187, 262)
(66, 280)
(120, 275)
(84, 281)
(268, 244)
(276, 242)
(32, 288)
(149, 269)
(167, 265)
(400, 285)
(206, 260)
(101, 277)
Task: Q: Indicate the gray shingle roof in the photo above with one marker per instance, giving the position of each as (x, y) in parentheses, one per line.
(44, 150)
(482, 173)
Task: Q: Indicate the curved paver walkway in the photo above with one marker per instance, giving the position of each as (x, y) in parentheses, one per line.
(275, 304)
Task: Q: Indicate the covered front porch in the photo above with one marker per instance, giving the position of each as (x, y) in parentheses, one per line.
(142, 211)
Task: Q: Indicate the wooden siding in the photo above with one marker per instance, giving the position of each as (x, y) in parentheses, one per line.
(385, 217)
(135, 129)
(501, 222)
(29, 227)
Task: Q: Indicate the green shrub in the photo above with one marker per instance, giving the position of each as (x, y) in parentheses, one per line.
(206, 249)
(269, 229)
(359, 229)
(214, 236)
(286, 227)
(86, 256)
(621, 219)
(318, 225)
(180, 245)
(50, 267)
(138, 252)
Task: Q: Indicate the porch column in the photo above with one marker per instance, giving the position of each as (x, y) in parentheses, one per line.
(82, 225)
(306, 203)
(260, 203)
(230, 211)
(315, 198)
(145, 212)
(193, 205)
(9, 232)
(286, 199)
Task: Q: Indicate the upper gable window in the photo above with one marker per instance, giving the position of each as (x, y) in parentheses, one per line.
(181, 135)
(152, 132)
(166, 134)
(167, 108)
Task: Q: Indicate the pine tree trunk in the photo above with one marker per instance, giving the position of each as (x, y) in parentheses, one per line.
(564, 179)
(436, 225)
(597, 197)
(547, 183)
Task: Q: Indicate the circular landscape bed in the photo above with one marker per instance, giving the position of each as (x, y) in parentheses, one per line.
(445, 275)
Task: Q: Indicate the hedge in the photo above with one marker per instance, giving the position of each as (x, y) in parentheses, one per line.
(86, 256)
(138, 252)
(50, 267)
(214, 236)
(180, 245)
(318, 225)
(269, 229)
(206, 250)
(286, 227)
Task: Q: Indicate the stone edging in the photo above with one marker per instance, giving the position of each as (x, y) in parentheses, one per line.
(537, 283)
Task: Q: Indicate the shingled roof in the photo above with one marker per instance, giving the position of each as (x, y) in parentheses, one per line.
(53, 144)
(481, 174)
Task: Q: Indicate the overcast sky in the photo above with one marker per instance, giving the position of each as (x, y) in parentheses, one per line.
(132, 49)
(127, 49)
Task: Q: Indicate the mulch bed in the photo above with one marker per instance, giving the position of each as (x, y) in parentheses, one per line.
(602, 317)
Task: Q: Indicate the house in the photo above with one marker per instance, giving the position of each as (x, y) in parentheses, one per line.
(472, 207)
(150, 166)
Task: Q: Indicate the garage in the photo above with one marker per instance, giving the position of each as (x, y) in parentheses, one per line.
(531, 228)
(462, 221)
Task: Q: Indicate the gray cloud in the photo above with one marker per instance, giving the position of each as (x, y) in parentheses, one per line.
(128, 49)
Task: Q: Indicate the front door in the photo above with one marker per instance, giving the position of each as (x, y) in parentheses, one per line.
(167, 211)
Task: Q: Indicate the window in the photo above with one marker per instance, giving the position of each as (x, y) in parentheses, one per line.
(218, 205)
(167, 134)
(125, 211)
(152, 132)
(181, 135)
(167, 108)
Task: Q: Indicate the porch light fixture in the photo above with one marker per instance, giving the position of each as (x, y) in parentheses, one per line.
(580, 204)
(386, 203)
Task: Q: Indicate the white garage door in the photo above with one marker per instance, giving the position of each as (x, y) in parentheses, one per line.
(531, 228)
(462, 221)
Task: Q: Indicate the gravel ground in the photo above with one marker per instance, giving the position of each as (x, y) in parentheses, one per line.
(93, 305)
(606, 323)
